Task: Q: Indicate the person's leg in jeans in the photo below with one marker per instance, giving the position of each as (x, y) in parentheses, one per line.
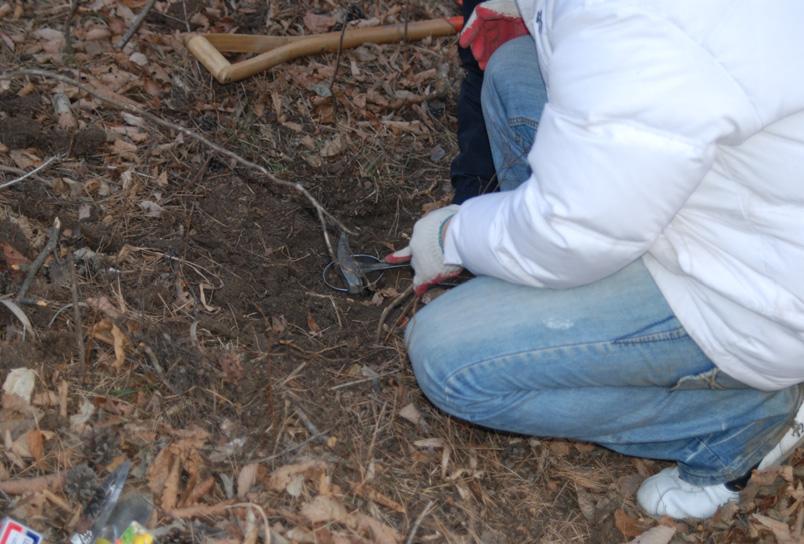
(513, 98)
(472, 170)
(607, 363)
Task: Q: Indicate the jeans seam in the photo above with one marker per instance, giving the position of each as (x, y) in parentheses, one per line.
(665, 336)
(722, 472)
(521, 120)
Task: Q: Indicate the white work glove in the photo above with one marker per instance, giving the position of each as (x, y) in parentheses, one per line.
(491, 24)
(426, 250)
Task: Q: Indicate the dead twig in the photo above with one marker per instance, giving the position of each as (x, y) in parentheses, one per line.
(135, 25)
(54, 482)
(308, 424)
(418, 522)
(394, 303)
(68, 40)
(52, 241)
(158, 367)
(32, 173)
(337, 64)
(19, 314)
(122, 103)
(78, 326)
(200, 510)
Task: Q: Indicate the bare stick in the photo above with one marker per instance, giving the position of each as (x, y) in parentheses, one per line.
(135, 24)
(33, 485)
(32, 173)
(314, 432)
(337, 61)
(199, 510)
(68, 41)
(158, 367)
(394, 303)
(418, 522)
(79, 329)
(52, 240)
(122, 103)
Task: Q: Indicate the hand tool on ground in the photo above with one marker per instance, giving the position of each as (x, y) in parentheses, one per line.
(97, 512)
(354, 273)
(274, 50)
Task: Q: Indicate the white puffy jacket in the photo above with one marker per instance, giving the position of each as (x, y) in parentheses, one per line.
(674, 132)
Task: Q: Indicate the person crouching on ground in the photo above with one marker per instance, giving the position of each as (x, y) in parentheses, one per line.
(640, 274)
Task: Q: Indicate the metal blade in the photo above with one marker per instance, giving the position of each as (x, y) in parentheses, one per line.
(349, 267)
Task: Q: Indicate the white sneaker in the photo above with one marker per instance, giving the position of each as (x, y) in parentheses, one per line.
(786, 447)
(666, 494)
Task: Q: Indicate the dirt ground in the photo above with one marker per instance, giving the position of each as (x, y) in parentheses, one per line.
(244, 391)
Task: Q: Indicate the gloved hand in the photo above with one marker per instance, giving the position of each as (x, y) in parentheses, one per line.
(491, 24)
(426, 250)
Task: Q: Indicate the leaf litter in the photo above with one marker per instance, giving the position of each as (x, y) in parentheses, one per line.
(216, 360)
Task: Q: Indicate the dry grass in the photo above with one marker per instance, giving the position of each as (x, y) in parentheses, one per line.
(234, 354)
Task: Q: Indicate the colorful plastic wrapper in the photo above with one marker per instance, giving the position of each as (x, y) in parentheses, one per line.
(14, 532)
(135, 534)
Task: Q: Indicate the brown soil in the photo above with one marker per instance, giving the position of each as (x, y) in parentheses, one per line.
(229, 327)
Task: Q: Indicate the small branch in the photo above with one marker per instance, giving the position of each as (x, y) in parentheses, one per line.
(122, 103)
(52, 241)
(311, 428)
(158, 367)
(32, 173)
(53, 482)
(135, 24)
(418, 522)
(78, 325)
(394, 303)
(68, 40)
(337, 61)
(199, 510)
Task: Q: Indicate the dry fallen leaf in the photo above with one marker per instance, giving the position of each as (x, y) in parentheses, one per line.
(85, 412)
(120, 342)
(19, 383)
(246, 478)
(317, 24)
(325, 509)
(170, 492)
(626, 524)
(36, 444)
(411, 413)
(660, 534)
(283, 476)
(429, 443)
(97, 33)
(333, 147)
(380, 532)
(779, 529)
(151, 208)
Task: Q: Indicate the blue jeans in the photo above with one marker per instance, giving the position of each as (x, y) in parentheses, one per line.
(607, 363)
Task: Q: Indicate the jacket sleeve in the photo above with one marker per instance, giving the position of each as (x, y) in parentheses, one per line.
(635, 111)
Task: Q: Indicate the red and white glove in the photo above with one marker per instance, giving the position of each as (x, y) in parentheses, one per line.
(491, 24)
(426, 250)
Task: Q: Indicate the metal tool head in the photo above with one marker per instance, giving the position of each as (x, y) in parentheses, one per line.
(355, 273)
(349, 267)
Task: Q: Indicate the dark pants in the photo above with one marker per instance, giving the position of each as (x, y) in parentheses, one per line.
(472, 171)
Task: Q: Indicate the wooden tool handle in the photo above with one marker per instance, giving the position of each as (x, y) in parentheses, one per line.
(278, 49)
(210, 57)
